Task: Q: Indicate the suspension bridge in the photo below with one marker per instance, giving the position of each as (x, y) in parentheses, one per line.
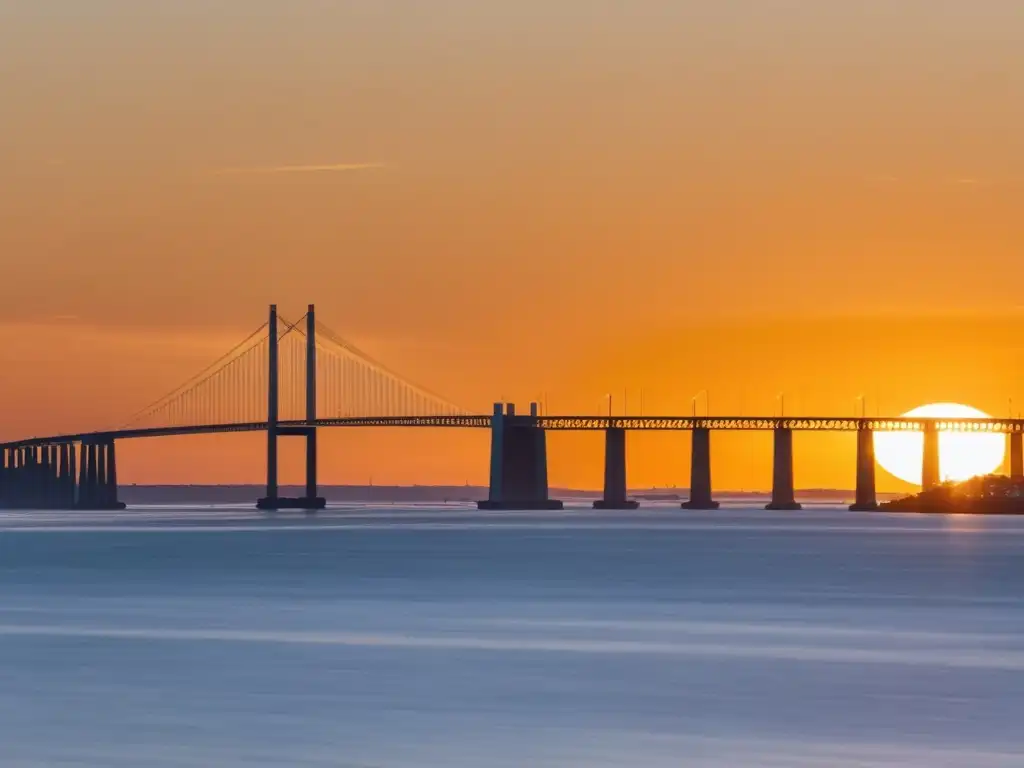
(291, 379)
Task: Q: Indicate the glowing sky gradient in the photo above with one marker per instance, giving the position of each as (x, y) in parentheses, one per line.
(750, 196)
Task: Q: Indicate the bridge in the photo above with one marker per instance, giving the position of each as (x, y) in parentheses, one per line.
(292, 379)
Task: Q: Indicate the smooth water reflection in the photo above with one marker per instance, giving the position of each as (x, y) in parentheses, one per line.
(394, 638)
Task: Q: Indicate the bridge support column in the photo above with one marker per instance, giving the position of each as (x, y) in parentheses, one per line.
(615, 472)
(32, 478)
(5, 478)
(1017, 455)
(930, 473)
(700, 471)
(866, 500)
(519, 470)
(68, 478)
(26, 479)
(57, 478)
(37, 483)
(85, 478)
(110, 500)
(13, 485)
(783, 495)
(97, 484)
(51, 499)
(101, 476)
(11, 478)
(45, 479)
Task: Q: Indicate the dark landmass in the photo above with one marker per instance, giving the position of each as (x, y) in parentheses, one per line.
(245, 494)
(982, 495)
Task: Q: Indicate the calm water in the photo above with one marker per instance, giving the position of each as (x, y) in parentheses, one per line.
(391, 638)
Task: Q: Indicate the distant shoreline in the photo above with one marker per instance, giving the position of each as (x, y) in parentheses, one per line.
(228, 494)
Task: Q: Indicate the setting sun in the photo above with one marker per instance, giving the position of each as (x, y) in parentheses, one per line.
(962, 455)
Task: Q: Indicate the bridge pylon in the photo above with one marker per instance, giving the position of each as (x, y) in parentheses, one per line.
(273, 501)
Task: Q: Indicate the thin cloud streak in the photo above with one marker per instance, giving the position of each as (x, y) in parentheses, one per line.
(325, 168)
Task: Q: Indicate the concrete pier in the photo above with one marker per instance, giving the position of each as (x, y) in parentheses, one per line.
(97, 484)
(930, 473)
(101, 475)
(615, 472)
(69, 461)
(866, 499)
(1017, 455)
(519, 462)
(783, 495)
(700, 471)
(86, 481)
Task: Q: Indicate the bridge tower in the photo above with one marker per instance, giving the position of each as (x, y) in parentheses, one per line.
(273, 500)
(273, 409)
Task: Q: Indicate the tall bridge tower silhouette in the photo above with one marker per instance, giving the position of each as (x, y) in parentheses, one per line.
(298, 376)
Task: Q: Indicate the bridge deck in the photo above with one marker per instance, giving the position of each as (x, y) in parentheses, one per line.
(560, 423)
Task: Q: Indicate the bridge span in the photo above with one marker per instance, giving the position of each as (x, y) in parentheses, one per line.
(322, 381)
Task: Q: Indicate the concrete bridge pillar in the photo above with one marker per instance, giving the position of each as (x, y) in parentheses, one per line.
(930, 474)
(37, 482)
(1017, 455)
(25, 489)
(783, 495)
(51, 499)
(28, 471)
(110, 500)
(87, 477)
(519, 469)
(46, 483)
(865, 500)
(83, 478)
(5, 478)
(700, 471)
(615, 472)
(101, 475)
(496, 487)
(67, 460)
(13, 481)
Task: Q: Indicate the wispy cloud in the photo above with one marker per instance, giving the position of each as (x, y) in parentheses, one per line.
(274, 169)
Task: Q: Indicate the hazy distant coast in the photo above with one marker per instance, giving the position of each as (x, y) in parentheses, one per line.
(230, 494)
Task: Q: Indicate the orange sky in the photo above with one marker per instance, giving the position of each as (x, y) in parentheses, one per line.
(750, 196)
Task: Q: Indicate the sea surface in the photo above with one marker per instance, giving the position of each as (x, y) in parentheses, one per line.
(387, 637)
